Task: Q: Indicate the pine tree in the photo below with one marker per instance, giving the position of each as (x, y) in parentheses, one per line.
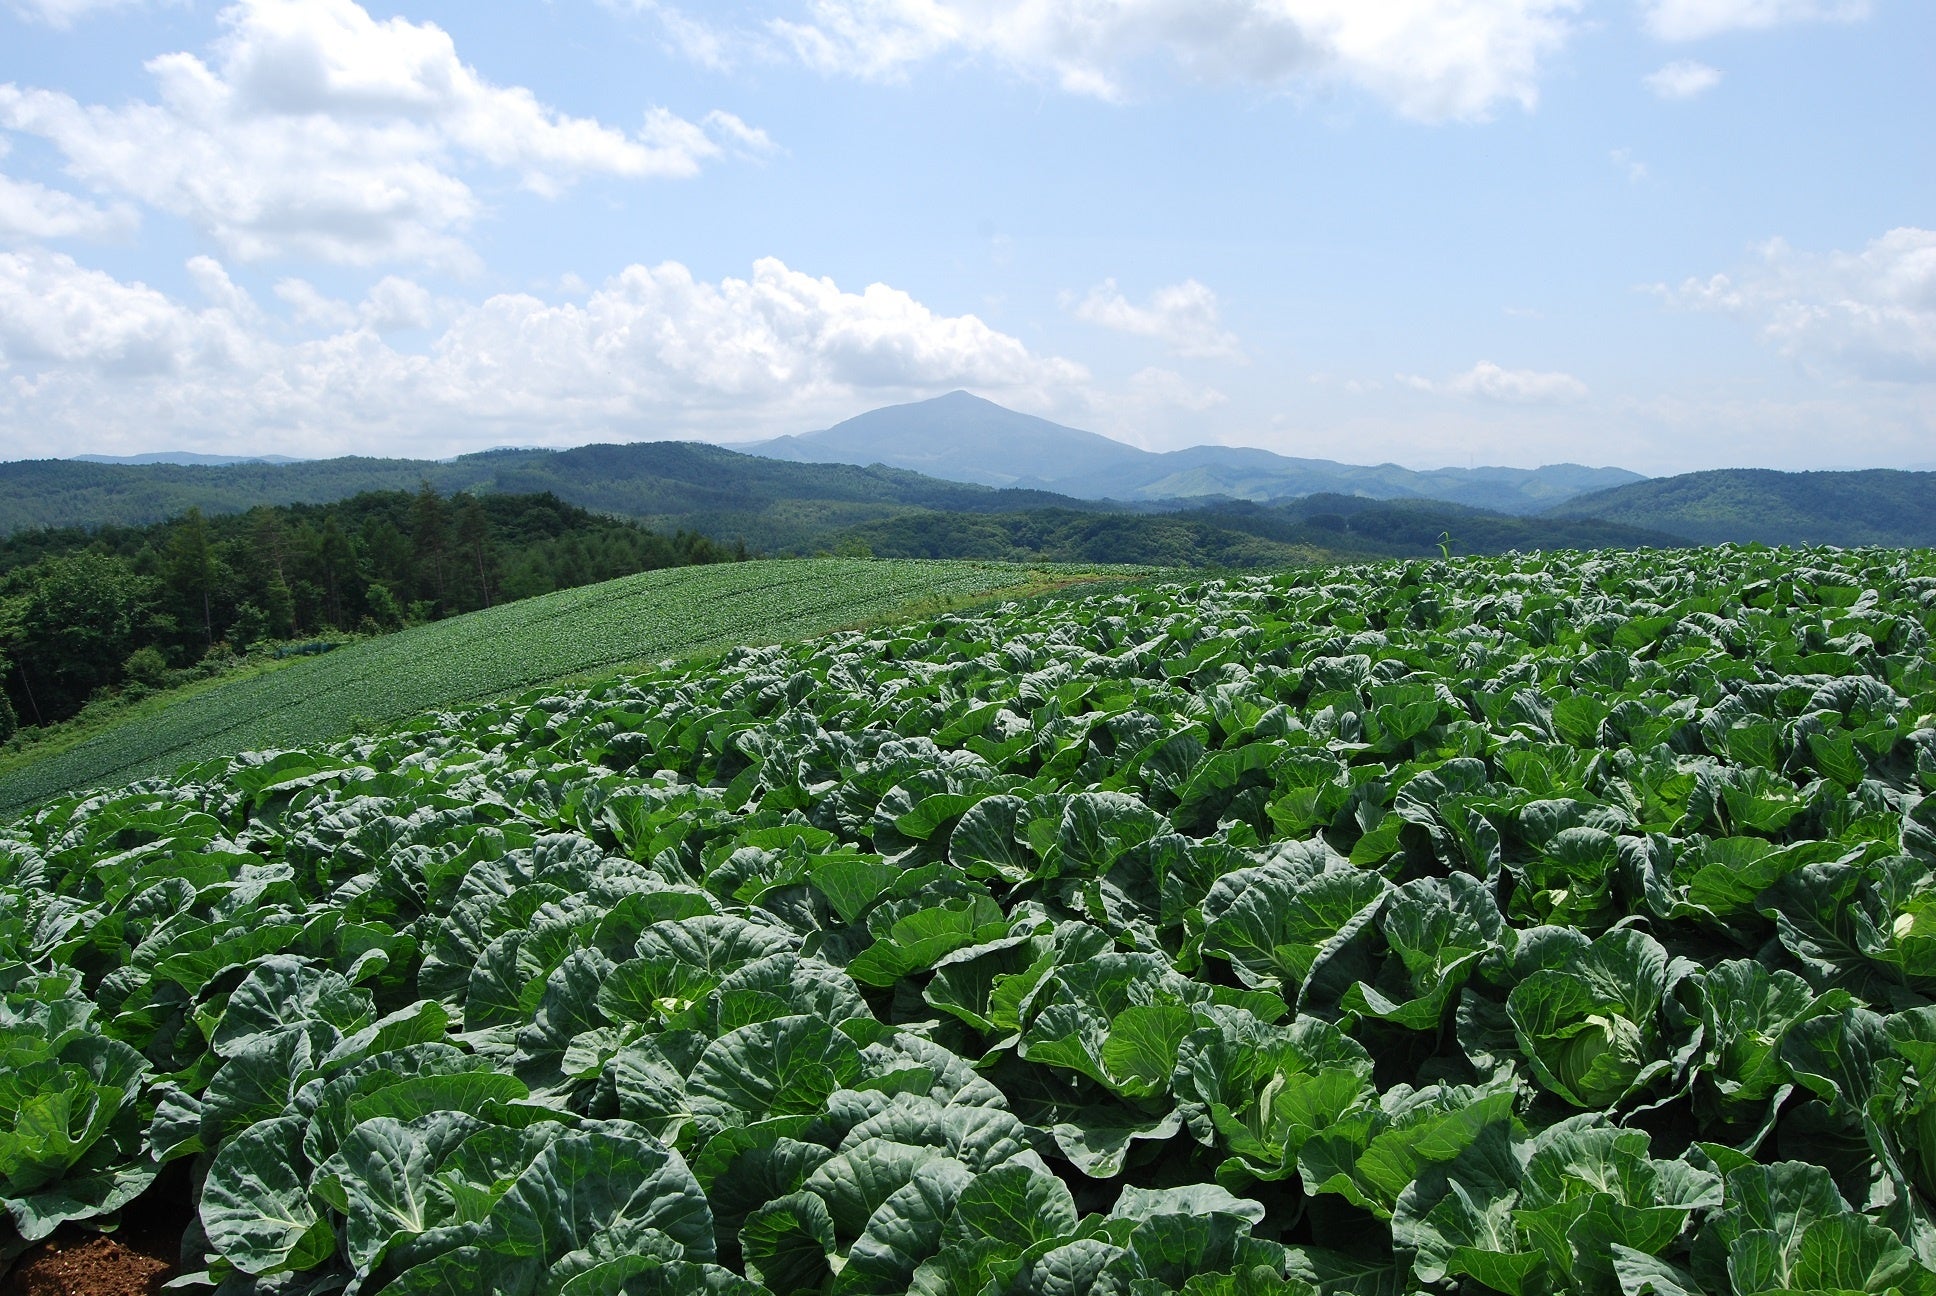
(474, 539)
(429, 536)
(191, 572)
(279, 606)
(268, 545)
(337, 560)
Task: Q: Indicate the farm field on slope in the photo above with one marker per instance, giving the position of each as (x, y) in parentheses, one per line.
(1538, 925)
(502, 649)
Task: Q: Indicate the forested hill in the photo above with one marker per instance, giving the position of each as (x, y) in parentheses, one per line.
(1875, 507)
(780, 507)
(1237, 533)
(82, 611)
(1409, 528)
(669, 484)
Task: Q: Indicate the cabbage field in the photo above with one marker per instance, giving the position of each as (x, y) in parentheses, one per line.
(506, 648)
(1531, 926)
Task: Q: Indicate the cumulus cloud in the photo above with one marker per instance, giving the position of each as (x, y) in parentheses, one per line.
(1488, 381)
(1683, 20)
(316, 130)
(310, 307)
(1682, 79)
(1184, 317)
(1431, 60)
(649, 351)
(1872, 313)
(55, 313)
(33, 211)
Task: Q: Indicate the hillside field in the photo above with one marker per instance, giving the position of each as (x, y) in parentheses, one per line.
(505, 648)
(1535, 925)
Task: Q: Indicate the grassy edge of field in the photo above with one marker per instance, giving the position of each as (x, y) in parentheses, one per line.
(72, 732)
(1038, 580)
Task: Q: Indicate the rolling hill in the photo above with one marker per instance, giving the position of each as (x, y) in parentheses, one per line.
(966, 438)
(513, 646)
(1873, 507)
(671, 484)
(961, 457)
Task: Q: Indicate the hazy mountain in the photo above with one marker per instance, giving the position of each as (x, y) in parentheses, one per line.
(780, 506)
(1879, 506)
(965, 438)
(187, 458)
(670, 484)
(962, 438)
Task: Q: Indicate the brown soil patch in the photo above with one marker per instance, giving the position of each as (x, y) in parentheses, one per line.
(134, 1260)
(90, 1266)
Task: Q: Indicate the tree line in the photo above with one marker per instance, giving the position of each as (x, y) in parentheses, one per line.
(86, 612)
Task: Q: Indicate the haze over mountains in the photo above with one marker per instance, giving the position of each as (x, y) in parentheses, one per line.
(187, 458)
(963, 477)
(965, 438)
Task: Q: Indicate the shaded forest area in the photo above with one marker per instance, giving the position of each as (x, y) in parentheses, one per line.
(85, 613)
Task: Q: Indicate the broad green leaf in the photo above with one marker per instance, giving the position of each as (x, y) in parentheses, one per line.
(256, 1207)
(607, 1178)
(1016, 1204)
(783, 1067)
(787, 1243)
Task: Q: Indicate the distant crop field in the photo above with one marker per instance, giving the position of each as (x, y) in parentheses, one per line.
(469, 658)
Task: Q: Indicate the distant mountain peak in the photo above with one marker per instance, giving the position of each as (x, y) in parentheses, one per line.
(964, 437)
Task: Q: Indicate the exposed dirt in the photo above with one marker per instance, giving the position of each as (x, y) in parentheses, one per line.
(134, 1260)
(98, 1265)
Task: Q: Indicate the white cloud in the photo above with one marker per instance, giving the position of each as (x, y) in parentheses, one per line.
(650, 352)
(751, 141)
(33, 211)
(320, 131)
(1635, 169)
(1682, 20)
(211, 279)
(1682, 79)
(1184, 317)
(1431, 60)
(1871, 312)
(1488, 381)
(55, 313)
(700, 42)
(395, 305)
(311, 308)
(64, 13)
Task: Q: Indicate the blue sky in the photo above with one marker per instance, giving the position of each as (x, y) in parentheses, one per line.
(1665, 234)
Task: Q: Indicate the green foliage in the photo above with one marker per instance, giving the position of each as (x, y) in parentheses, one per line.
(776, 506)
(72, 624)
(1879, 506)
(184, 586)
(1423, 528)
(1303, 934)
(509, 647)
(807, 508)
(146, 666)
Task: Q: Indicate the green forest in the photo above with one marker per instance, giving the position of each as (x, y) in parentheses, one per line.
(85, 614)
